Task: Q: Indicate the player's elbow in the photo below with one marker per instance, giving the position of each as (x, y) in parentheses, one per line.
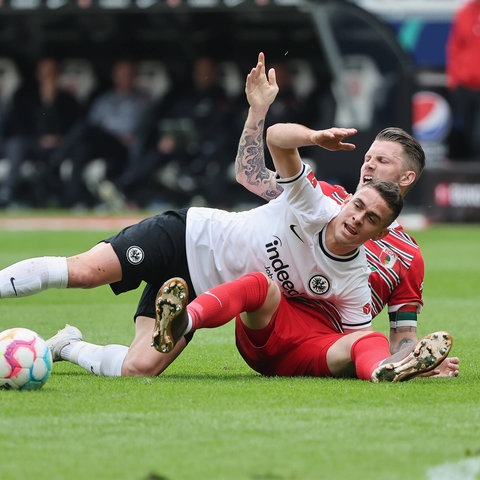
(272, 134)
(241, 178)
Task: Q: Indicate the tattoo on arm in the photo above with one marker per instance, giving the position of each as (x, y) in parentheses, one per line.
(405, 342)
(250, 163)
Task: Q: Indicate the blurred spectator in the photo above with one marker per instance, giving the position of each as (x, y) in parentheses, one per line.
(33, 129)
(10, 84)
(463, 78)
(107, 133)
(79, 78)
(182, 144)
(287, 107)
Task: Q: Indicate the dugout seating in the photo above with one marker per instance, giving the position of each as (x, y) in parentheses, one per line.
(153, 77)
(78, 76)
(10, 79)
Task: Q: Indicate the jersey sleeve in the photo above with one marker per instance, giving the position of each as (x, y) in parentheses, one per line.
(306, 198)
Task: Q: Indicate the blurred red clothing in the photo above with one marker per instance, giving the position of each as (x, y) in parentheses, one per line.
(463, 48)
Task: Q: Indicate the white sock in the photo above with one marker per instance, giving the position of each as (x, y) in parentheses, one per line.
(33, 276)
(101, 360)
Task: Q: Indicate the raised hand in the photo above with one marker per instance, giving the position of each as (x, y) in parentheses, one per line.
(261, 89)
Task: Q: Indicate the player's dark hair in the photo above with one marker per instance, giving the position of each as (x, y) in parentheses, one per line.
(390, 192)
(412, 148)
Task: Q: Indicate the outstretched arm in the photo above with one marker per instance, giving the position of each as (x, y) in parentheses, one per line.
(250, 168)
(284, 139)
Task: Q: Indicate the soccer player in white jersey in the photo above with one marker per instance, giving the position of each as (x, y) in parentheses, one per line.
(152, 251)
(396, 262)
(304, 241)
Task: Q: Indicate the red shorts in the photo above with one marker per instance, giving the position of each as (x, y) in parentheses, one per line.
(297, 345)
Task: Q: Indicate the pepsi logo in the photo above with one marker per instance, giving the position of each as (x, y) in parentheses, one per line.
(432, 117)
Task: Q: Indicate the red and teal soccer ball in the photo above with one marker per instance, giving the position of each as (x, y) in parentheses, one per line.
(25, 360)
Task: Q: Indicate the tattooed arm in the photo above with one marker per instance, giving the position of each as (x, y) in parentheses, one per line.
(250, 168)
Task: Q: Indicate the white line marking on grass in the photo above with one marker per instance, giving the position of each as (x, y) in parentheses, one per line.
(461, 470)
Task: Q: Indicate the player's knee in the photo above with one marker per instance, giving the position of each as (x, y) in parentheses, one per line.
(273, 290)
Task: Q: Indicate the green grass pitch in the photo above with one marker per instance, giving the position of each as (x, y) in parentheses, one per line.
(210, 417)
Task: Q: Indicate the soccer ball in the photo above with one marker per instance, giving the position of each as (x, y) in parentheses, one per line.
(25, 360)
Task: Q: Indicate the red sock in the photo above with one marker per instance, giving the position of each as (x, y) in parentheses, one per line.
(367, 352)
(221, 304)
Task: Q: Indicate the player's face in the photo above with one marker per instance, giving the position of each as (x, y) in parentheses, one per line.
(383, 161)
(363, 217)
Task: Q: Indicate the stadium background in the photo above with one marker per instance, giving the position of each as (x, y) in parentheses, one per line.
(215, 424)
(378, 57)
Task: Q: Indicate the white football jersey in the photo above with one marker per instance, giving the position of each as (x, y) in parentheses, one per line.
(284, 239)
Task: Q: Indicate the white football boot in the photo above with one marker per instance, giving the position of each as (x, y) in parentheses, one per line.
(67, 335)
